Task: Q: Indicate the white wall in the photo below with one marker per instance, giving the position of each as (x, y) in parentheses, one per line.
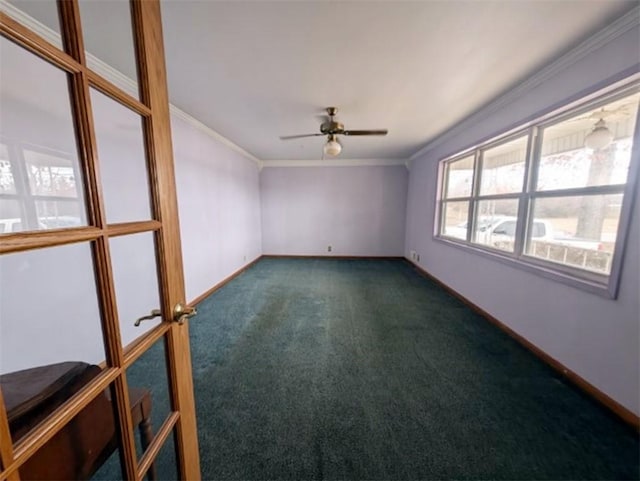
(49, 310)
(595, 337)
(359, 211)
(219, 207)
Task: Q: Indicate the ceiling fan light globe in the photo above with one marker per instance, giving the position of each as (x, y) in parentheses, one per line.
(332, 148)
(599, 137)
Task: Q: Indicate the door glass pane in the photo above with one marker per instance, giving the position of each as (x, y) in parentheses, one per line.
(123, 165)
(581, 231)
(459, 178)
(39, 165)
(40, 16)
(79, 450)
(133, 259)
(50, 175)
(503, 168)
(149, 390)
(572, 158)
(58, 214)
(110, 470)
(108, 38)
(7, 179)
(49, 314)
(166, 465)
(496, 223)
(455, 219)
(10, 216)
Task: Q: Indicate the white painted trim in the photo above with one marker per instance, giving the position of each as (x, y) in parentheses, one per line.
(116, 77)
(333, 163)
(591, 44)
(181, 114)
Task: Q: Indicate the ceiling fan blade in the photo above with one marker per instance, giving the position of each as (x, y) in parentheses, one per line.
(365, 132)
(289, 137)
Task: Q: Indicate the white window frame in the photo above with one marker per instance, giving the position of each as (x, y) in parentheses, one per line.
(605, 285)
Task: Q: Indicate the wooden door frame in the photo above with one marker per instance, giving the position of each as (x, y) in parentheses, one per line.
(147, 18)
(154, 109)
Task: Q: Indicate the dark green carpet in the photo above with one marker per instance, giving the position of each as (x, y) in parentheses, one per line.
(339, 369)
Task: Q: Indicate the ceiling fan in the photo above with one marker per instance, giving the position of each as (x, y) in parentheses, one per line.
(332, 128)
(600, 135)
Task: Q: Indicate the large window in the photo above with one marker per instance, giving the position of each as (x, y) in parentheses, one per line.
(552, 197)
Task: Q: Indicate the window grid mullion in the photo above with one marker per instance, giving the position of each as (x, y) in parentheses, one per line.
(580, 191)
(457, 199)
(510, 195)
(475, 190)
(525, 219)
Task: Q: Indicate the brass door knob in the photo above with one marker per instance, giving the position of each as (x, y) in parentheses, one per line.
(182, 313)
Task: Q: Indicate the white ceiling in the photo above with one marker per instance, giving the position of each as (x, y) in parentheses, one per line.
(254, 71)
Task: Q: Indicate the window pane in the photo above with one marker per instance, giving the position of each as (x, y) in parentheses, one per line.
(49, 308)
(7, 181)
(503, 168)
(43, 14)
(568, 158)
(50, 175)
(123, 164)
(455, 220)
(459, 178)
(108, 37)
(58, 214)
(49, 325)
(166, 465)
(581, 230)
(496, 224)
(148, 382)
(133, 259)
(79, 449)
(38, 158)
(10, 216)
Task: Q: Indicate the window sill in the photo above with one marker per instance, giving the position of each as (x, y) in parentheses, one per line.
(583, 280)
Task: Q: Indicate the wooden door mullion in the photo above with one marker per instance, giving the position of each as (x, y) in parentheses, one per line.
(6, 446)
(154, 93)
(86, 136)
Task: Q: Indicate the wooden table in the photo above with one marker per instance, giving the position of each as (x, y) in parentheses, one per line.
(87, 441)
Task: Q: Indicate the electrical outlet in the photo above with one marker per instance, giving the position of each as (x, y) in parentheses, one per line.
(244, 258)
(412, 254)
(328, 248)
(418, 257)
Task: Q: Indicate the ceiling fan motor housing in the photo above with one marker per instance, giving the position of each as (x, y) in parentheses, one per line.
(332, 127)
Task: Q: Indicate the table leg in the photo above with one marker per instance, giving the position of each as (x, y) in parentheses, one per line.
(146, 435)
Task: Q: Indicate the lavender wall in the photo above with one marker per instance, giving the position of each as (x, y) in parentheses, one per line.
(595, 337)
(359, 211)
(219, 207)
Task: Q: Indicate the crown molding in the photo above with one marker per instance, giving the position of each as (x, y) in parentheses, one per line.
(118, 78)
(181, 114)
(612, 31)
(333, 163)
